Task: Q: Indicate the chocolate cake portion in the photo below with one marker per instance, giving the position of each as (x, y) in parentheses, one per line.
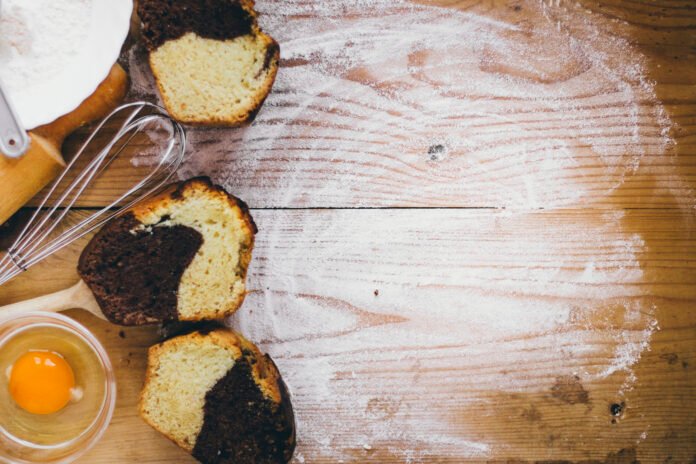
(240, 425)
(212, 19)
(134, 272)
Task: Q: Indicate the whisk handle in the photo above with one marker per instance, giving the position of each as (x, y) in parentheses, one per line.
(77, 296)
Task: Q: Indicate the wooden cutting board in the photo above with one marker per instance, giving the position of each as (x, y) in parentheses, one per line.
(364, 252)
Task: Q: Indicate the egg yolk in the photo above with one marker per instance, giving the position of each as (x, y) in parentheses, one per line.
(41, 382)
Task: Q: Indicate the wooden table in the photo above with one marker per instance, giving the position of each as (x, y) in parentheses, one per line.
(429, 299)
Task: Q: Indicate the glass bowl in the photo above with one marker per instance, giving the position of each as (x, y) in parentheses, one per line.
(63, 436)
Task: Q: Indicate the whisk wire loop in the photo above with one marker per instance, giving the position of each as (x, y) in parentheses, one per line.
(33, 244)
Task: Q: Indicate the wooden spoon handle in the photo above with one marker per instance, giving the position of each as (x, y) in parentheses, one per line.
(77, 296)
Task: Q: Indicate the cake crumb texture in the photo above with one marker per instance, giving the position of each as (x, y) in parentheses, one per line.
(213, 285)
(218, 397)
(212, 63)
(182, 255)
(180, 373)
(218, 81)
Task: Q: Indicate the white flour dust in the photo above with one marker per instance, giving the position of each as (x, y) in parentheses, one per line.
(38, 38)
(376, 98)
(480, 300)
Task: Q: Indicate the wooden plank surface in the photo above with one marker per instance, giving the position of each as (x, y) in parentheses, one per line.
(503, 108)
(440, 335)
(553, 323)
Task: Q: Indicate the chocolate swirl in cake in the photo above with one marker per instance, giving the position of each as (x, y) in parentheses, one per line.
(134, 272)
(182, 255)
(219, 398)
(242, 426)
(212, 19)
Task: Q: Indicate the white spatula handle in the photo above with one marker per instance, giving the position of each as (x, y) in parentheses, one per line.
(14, 141)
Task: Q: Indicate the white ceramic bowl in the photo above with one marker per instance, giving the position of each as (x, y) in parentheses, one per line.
(62, 92)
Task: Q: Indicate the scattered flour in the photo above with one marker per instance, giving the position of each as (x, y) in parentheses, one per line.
(26, 58)
(374, 98)
(142, 82)
(551, 299)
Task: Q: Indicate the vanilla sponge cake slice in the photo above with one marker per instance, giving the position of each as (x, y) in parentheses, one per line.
(212, 63)
(182, 255)
(216, 396)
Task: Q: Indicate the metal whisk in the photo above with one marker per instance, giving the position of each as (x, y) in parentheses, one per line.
(33, 244)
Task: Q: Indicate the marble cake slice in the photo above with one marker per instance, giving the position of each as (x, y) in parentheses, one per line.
(212, 63)
(216, 396)
(180, 256)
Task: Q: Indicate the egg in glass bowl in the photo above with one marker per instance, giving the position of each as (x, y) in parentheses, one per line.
(57, 389)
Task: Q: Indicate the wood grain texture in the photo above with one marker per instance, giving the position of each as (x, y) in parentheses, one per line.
(357, 309)
(553, 325)
(371, 138)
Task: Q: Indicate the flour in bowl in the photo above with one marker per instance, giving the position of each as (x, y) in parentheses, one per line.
(38, 38)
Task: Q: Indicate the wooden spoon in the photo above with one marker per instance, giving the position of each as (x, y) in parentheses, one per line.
(79, 296)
